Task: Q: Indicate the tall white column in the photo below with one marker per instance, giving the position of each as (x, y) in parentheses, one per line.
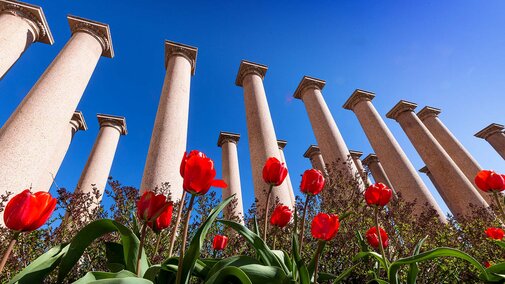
(495, 135)
(31, 134)
(356, 155)
(260, 130)
(374, 165)
(313, 153)
(168, 141)
(21, 24)
(231, 174)
(46, 178)
(282, 144)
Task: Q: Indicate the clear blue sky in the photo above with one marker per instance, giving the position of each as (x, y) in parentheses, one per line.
(446, 54)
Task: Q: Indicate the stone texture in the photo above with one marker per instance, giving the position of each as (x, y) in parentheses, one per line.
(260, 131)
(31, 134)
(426, 171)
(457, 188)
(282, 144)
(329, 139)
(46, 178)
(313, 153)
(231, 174)
(400, 171)
(356, 155)
(495, 135)
(458, 153)
(375, 167)
(21, 24)
(168, 140)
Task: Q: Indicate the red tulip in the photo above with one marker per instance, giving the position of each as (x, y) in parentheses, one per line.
(373, 238)
(274, 172)
(378, 194)
(312, 182)
(163, 221)
(281, 216)
(199, 174)
(219, 242)
(26, 212)
(495, 233)
(487, 264)
(489, 180)
(186, 157)
(150, 206)
(325, 226)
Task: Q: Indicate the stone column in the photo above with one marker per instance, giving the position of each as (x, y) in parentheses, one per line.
(31, 134)
(260, 131)
(375, 167)
(282, 144)
(46, 178)
(97, 168)
(21, 24)
(329, 139)
(457, 188)
(231, 174)
(168, 140)
(356, 155)
(426, 171)
(402, 174)
(316, 159)
(458, 153)
(495, 135)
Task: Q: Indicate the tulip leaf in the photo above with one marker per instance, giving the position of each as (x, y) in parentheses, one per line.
(236, 261)
(345, 274)
(301, 268)
(500, 244)
(38, 269)
(365, 254)
(115, 256)
(229, 274)
(193, 252)
(312, 264)
(258, 273)
(414, 268)
(495, 273)
(121, 277)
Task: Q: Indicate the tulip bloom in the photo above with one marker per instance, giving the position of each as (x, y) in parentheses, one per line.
(325, 226)
(487, 264)
(490, 181)
(281, 216)
(274, 172)
(312, 182)
(26, 212)
(373, 238)
(186, 157)
(163, 221)
(378, 194)
(150, 206)
(495, 233)
(219, 242)
(199, 174)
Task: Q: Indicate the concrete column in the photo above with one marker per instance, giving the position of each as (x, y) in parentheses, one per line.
(356, 155)
(329, 139)
(46, 178)
(426, 171)
(282, 144)
(316, 159)
(231, 174)
(495, 135)
(458, 153)
(457, 188)
(375, 167)
(401, 173)
(97, 169)
(260, 131)
(31, 134)
(21, 24)
(168, 141)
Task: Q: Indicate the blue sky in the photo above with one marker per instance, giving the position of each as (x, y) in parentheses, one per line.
(445, 54)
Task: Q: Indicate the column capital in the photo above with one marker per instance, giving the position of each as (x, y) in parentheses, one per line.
(227, 137)
(424, 170)
(118, 122)
(308, 83)
(33, 15)
(282, 144)
(311, 151)
(186, 51)
(355, 154)
(371, 158)
(401, 107)
(428, 111)
(356, 97)
(78, 121)
(248, 67)
(489, 130)
(98, 30)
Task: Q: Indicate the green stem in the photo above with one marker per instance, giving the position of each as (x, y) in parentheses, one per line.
(8, 251)
(176, 225)
(320, 247)
(265, 228)
(158, 244)
(214, 254)
(500, 207)
(184, 237)
(302, 231)
(142, 238)
(275, 239)
(380, 238)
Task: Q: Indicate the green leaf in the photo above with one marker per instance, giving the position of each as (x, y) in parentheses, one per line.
(38, 269)
(495, 272)
(345, 274)
(312, 263)
(123, 277)
(300, 265)
(365, 254)
(115, 256)
(236, 261)
(229, 274)
(500, 244)
(258, 273)
(152, 272)
(414, 268)
(193, 252)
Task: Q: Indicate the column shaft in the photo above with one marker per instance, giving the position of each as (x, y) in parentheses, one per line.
(355, 155)
(231, 175)
(316, 159)
(289, 185)
(494, 134)
(434, 182)
(379, 175)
